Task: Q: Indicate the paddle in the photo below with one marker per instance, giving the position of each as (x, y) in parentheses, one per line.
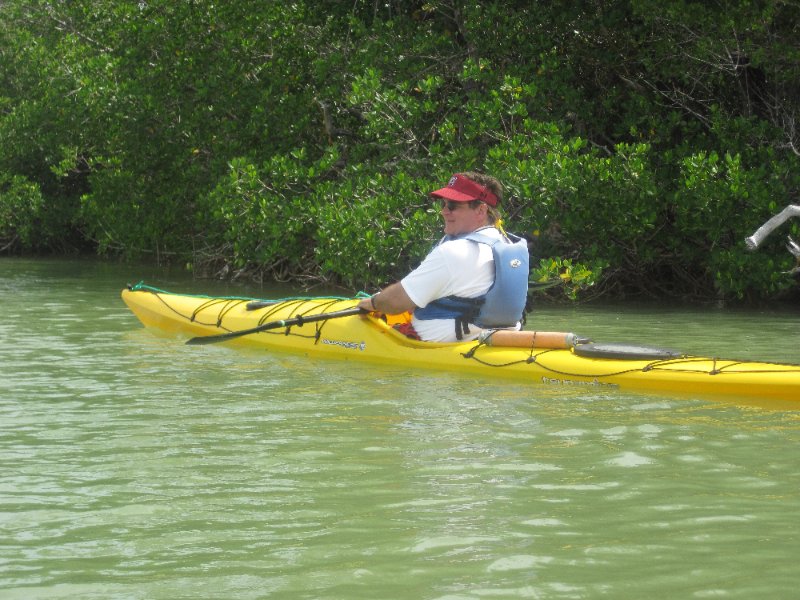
(545, 285)
(299, 320)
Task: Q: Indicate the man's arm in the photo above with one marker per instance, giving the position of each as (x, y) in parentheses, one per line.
(391, 300)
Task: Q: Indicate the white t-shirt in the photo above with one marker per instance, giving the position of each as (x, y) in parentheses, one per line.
(453, 268)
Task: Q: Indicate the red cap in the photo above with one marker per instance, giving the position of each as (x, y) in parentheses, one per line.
(463, 189)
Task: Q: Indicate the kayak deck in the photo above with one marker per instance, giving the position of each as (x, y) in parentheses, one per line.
(370, 339)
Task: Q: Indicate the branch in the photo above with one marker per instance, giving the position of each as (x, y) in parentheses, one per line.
(71, 29)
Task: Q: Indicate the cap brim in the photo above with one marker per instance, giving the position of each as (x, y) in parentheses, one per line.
(450, 194)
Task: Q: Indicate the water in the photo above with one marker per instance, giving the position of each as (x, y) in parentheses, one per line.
(135, 467)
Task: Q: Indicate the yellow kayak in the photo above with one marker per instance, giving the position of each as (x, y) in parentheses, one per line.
(333, 328)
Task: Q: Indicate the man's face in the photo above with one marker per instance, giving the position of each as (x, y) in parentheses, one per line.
(460, 217)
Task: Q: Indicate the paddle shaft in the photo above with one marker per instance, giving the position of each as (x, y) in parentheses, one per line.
(299, 320)
(544, 285)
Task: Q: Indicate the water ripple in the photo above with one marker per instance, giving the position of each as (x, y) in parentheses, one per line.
(136, 467)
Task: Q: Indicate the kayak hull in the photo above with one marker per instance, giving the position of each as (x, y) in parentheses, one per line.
(370, 339)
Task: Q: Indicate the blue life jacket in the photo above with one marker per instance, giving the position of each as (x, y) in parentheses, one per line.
(503, 305)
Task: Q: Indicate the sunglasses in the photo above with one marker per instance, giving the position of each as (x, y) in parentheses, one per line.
(452, 205)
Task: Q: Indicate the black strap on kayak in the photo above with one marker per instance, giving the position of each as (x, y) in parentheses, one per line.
(462, 328)
(486, 341)
(279, 324)
(226, 305)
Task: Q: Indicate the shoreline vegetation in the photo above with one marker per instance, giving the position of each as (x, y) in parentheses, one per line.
(639, 142)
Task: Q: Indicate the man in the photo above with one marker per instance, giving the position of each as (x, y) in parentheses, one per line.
(476, 278)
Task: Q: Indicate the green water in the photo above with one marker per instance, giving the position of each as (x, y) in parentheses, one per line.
(135, 467)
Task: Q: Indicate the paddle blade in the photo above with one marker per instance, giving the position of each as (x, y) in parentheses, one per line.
(204, 340)
(213, 339)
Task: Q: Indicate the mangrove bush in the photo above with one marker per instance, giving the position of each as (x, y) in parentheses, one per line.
(640, 141)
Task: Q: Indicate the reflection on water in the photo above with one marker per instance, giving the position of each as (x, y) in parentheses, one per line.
(137, 467)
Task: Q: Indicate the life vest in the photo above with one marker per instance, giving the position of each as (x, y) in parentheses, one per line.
(503, 305)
